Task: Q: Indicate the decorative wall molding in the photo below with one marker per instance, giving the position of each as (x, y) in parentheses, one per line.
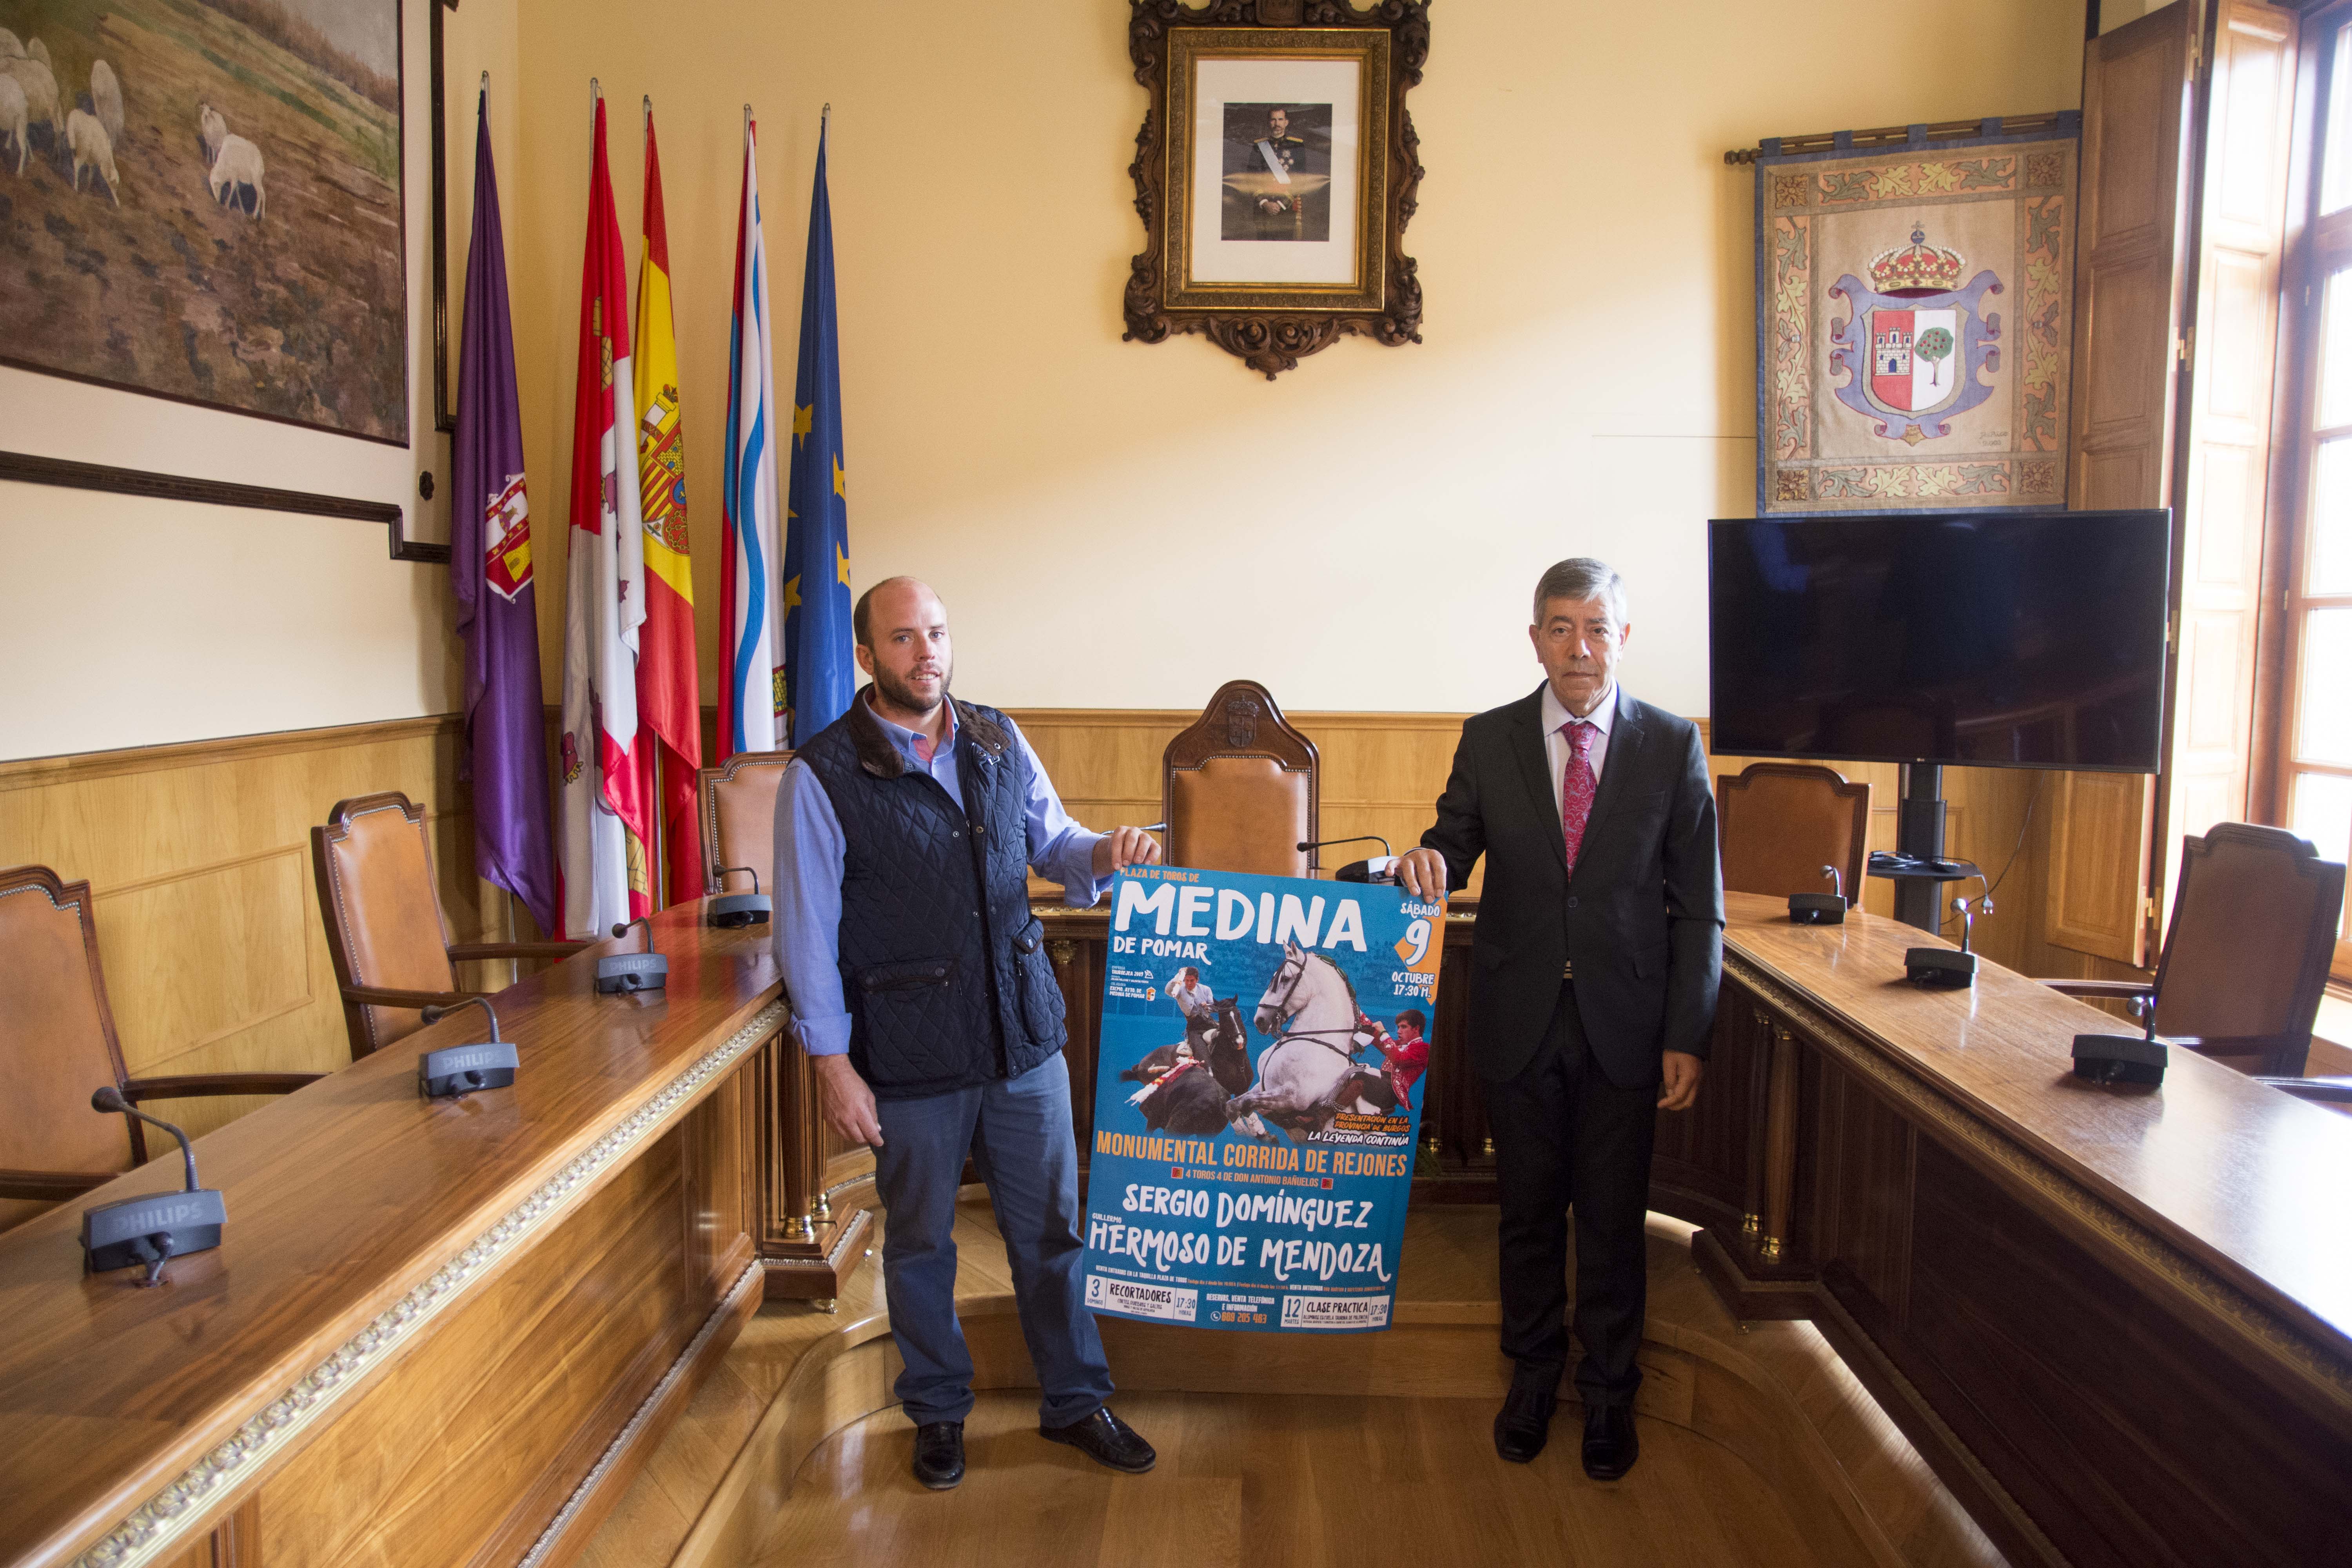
(78, 767)
(25, 468)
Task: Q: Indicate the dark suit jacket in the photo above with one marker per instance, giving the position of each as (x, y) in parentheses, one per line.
(1643, 917)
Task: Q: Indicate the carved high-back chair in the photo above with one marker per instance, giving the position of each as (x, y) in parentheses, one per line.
(1780, 823)
(58, 1044)
(737, 803)
(385, 927)
(2245, 959)
(1241, 790)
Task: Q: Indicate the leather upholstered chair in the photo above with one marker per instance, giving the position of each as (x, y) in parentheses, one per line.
(737, 804)
(1780, 823)
(385, 924)
(2245, 959)
(58, 1044)
(1241, 789)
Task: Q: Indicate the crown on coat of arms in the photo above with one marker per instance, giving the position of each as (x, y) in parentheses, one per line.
(1916, 268)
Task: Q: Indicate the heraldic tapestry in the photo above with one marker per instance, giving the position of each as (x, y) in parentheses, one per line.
(1915, 323)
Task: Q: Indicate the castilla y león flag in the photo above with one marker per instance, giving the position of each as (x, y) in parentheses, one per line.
(669, 691)
(489, 571)
(607, 809)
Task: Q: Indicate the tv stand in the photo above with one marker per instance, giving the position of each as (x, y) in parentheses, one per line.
(1919, 840)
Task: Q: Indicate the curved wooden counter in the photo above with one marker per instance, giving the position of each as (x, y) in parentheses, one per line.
(2117, 1321)
(434, 1334)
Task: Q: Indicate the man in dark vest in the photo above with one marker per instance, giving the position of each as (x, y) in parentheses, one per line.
(920, 989)
(1594, 966)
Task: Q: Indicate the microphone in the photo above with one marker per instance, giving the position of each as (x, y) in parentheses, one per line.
(1378, 868)
(730, 910)
(1940, 968)
(2123, 1059)
(154, 1228)
(459, 1070)
(1820, 908)
(633, 971)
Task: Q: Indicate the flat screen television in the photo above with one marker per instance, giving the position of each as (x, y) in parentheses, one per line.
(1978, 639)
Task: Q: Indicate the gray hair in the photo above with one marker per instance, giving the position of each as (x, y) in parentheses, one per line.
(1578, 578)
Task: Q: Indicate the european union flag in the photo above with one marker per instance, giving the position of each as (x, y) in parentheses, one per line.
(819, 670)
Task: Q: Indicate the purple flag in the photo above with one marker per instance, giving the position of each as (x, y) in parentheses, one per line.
(490, 570)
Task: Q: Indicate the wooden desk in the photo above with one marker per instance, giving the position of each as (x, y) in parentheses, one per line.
(434, 1333)
(2117, 1322)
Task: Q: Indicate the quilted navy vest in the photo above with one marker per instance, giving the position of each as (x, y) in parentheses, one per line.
(941, 961)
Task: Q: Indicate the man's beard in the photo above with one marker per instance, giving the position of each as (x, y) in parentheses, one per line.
(902, 696)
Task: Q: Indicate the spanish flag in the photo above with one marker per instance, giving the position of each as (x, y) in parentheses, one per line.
(670, 692)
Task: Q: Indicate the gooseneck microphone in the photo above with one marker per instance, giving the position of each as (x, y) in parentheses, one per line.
(1820, 908)
(109, 1098)
(435, 1013)
(459, 1070)
(730, 910)
(633, 971)
(1380, 869)
(154, 1228)
(1940, 968)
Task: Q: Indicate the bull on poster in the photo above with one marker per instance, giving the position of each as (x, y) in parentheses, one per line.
(1258, 1098)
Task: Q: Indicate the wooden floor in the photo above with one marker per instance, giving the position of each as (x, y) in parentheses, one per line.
(1398, 1463)
(1260, 1480)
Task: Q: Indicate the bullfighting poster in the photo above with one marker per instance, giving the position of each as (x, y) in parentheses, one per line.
(1914, 321)
(1257, 1096)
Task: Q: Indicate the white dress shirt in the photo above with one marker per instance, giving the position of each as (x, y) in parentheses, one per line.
(1556, 750)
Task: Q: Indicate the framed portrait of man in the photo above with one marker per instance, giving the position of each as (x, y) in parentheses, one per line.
(1275, 174)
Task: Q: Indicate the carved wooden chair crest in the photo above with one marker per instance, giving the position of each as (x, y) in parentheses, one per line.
(1240, 789)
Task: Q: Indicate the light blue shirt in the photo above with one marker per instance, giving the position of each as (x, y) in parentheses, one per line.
(809, 854)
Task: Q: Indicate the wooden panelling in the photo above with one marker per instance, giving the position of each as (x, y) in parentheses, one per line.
(199, 860)
(2101, 1409)
(476, 1440)
(2095, 900)
(1855, 1180)
(2130, 282)
(1381, 772)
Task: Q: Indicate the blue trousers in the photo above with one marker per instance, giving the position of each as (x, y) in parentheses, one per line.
(1019, 1133)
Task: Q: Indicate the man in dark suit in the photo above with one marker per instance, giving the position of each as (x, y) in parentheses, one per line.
(1594, 966)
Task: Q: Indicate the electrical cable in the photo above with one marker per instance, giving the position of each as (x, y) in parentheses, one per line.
(2014, 850)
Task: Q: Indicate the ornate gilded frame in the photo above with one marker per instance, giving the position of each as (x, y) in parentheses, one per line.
(1272, 325)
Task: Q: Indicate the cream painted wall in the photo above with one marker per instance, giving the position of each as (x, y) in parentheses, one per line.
(127, 622)
(1112, 525)
(1119, 525)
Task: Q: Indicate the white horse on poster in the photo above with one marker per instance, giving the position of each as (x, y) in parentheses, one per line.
(1309, 1074)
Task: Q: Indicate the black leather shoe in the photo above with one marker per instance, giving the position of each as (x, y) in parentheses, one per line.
(1610, 1445)
(939, 1454)
(1524, 1423)
(1106, 1439)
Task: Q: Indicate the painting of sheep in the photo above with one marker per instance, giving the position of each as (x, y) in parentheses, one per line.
(202, 199)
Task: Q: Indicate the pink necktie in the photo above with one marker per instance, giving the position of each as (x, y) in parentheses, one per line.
(1576, 786)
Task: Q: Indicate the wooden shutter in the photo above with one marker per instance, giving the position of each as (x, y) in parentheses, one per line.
(2129, 296)
(2247, 110)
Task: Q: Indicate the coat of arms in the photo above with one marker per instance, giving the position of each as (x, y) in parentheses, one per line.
(1916, 340)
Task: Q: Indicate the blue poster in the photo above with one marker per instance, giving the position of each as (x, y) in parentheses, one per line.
(1257, 1096)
